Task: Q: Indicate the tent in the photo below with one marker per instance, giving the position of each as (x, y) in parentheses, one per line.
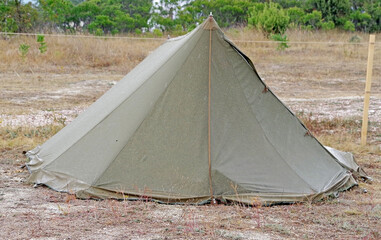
(191, 123)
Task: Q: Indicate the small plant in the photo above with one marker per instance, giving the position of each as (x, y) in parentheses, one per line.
(41, 41)
(98, 32)
(282, 41)
(355, 39)
(138, 31)
(24, 49)
(270, 18)
(157, 32)
(328, 25)
(349, 26)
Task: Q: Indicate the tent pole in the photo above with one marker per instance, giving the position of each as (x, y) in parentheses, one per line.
(209, 94)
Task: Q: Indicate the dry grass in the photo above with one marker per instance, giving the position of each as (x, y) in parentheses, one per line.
(72, 54)
(54, 87)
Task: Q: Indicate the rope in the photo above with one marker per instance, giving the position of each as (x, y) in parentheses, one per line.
(83, 36)
(163, 39)
(296, 42)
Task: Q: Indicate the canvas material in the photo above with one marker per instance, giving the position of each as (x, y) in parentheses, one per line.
(147, 136)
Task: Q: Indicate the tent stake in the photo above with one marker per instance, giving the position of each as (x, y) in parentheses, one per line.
(364, 128)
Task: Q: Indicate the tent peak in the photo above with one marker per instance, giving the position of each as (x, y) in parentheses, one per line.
(210, 23)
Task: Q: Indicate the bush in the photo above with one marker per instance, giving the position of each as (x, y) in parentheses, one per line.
(296, 15)
(270, 18)
(349, 26)
(157, 32)
(313, 19)
(328, 25)
(138, 31)
(98, 32)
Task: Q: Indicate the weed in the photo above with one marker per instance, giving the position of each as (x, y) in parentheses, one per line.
(282, 41)
(24, 49)
(41, 41)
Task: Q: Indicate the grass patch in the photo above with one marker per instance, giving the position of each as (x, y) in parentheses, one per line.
(26, 137)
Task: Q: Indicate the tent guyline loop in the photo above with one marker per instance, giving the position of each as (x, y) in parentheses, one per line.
(209, 95)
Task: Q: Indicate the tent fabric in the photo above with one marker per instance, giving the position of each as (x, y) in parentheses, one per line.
(148, 135)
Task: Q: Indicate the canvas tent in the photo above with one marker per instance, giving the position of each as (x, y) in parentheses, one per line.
(192, 122)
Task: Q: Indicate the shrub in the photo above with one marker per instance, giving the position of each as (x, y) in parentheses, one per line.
(98, 32)
(349, 26)
(270, 18)
(328, 25)
(296, 15)
(138, 31)
(313, 19)
(157, 32)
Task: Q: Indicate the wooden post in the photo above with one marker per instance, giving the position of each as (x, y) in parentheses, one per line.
(368, 84)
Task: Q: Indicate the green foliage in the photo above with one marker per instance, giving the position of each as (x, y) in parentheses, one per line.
(331, 10)
(361, 20)
(313, 20)
(270, 18)
(179, 16)
(349, 26)
(98, 32)
(17, 17)
(138, 31)
(282, 39)
(296, 15)
(111, 16)
(57, 13)
(24, 49)
(227, 13)
(328, 25)
(41, 41)
(157, 32)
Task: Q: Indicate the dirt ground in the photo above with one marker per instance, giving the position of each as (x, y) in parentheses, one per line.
(38, 98)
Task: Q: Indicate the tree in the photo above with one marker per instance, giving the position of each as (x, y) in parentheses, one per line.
(226, 13)
(331, 10)
(57, 13)
(296, 15)
(17, 17)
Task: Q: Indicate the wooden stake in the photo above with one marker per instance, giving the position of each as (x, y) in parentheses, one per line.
(364, 129)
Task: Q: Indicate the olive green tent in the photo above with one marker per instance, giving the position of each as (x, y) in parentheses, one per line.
(192, 122)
